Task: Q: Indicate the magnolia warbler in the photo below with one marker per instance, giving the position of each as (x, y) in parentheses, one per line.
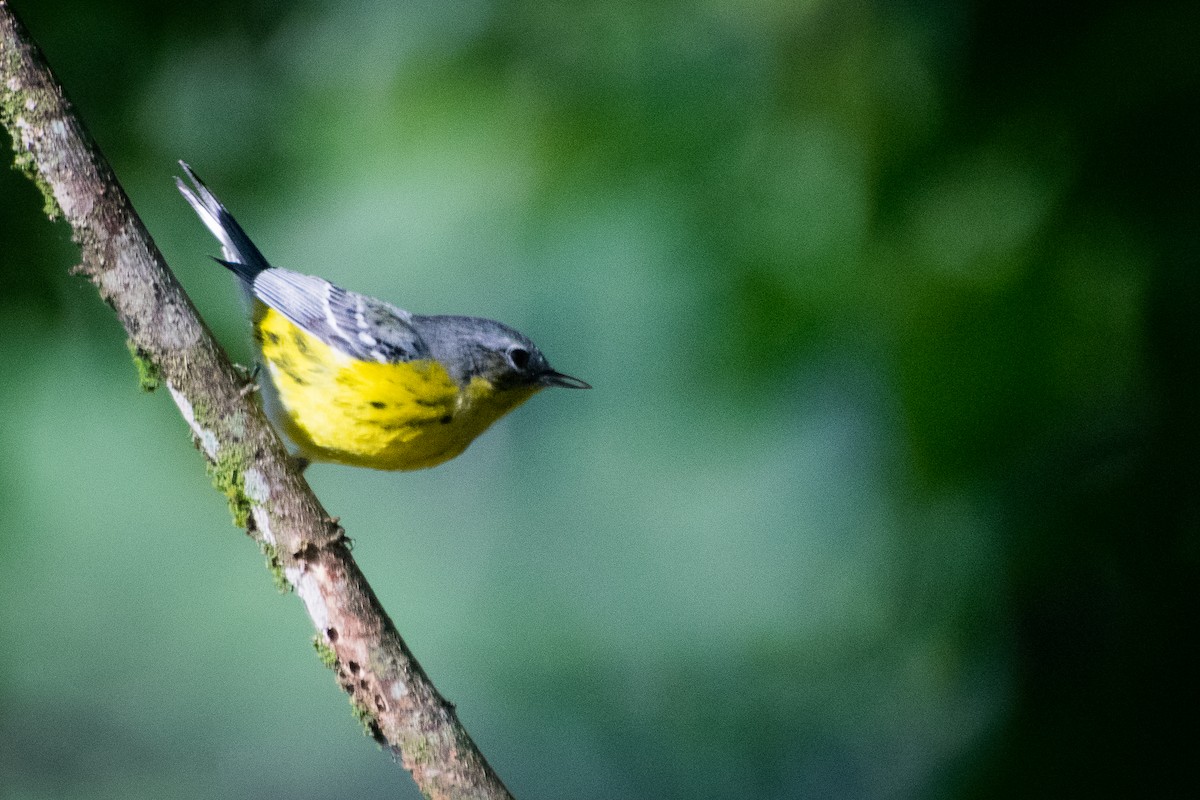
(356, 380)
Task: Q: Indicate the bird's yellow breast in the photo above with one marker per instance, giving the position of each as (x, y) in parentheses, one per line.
(406, 415)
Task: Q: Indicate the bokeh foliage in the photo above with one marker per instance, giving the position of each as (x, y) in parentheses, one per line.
(888, 485)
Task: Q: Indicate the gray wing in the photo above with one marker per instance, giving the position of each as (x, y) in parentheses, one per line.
(361, 326)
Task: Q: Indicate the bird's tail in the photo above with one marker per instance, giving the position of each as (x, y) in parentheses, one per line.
(241, 256)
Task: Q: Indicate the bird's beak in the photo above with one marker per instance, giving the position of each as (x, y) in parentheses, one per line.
(553, 378)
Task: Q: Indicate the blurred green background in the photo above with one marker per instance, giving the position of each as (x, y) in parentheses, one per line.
(888, 485)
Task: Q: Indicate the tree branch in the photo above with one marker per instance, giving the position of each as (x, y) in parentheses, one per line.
(388, 688)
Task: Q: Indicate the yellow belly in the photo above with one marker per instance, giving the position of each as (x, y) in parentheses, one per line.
(385, 416)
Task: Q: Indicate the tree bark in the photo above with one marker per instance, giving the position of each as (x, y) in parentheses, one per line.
(171, 344)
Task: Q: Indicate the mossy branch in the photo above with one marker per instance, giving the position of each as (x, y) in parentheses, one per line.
(172, 346)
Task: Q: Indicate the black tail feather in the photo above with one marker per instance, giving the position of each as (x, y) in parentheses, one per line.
(244, 271)
(241, 255)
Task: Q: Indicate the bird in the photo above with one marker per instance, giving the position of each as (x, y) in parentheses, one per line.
(355, 380)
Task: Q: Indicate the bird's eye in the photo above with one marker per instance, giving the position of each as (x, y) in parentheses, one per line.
(519, 357)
